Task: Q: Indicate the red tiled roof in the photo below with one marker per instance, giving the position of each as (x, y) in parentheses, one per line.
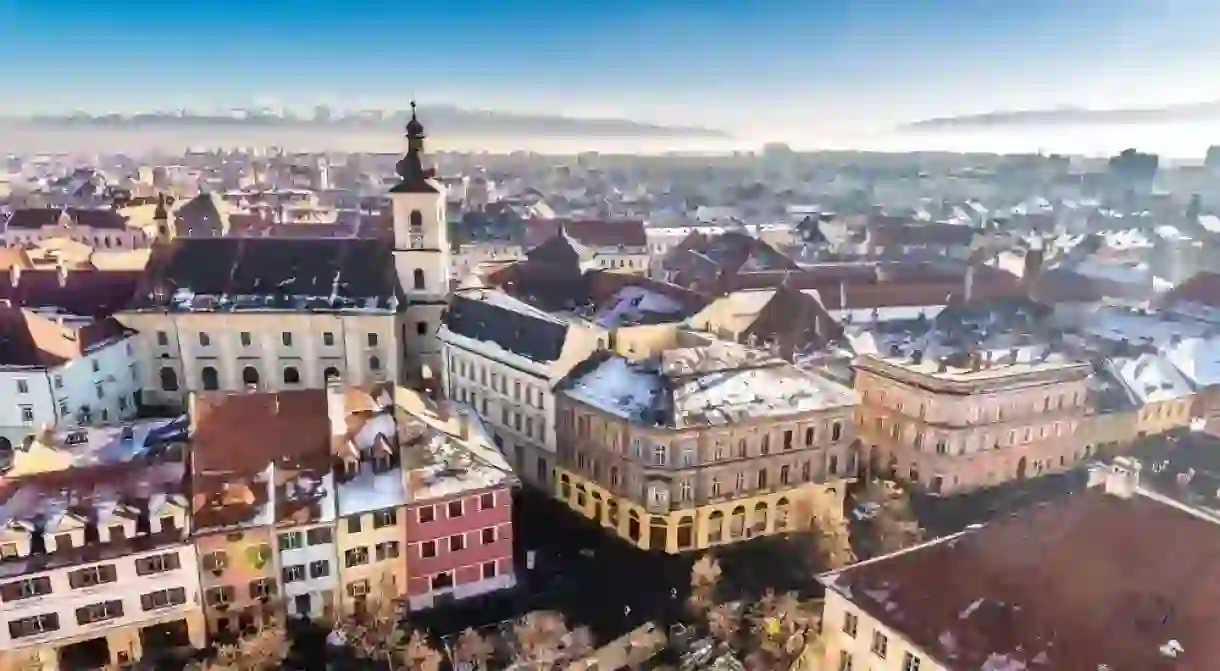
(591, 233)
(28, 339)
(1093, 581)
(244, 432)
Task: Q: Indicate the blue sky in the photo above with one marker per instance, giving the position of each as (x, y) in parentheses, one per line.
(749, 64)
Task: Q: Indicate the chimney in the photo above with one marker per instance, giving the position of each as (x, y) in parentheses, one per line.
(1120, 477)
(942, 365)
(62, 271)
(336, 406)
(14, 274)
(969, 290)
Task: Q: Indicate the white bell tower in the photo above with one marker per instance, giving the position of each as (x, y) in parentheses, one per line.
(421, 252)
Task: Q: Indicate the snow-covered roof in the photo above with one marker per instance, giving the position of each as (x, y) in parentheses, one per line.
(1151, 378)
(633, 305)
(714, 384)
(1198, 359)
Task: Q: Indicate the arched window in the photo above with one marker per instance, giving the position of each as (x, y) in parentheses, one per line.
(416, 219)
(211, 380)
(715, 527)
(169, 379)
(781, 514)
(331, 373)
(418, 275)
(292, 375)
(249, 376)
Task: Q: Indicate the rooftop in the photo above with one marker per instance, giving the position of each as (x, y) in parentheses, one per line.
(710, 385)
(228, 274)
(1083, 583)
(98, 445)
(29, 338)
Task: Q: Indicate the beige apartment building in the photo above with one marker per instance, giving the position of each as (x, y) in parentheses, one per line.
(701, 446)
(973, 419)
(97, 568)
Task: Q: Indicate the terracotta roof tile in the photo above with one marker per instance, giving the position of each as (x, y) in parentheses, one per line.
(244, 432)
(588, 232)
(1093, 581)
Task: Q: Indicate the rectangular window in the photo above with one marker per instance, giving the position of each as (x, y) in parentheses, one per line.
(455, 509)
(245, 339)
(384, 518)
(162, 339)
(328, 339)
(25, 589)
(27, 415)
(98, 612)
(427, 549)
(34, 626)
(23, 386)
(487, 501)
(158, 564)
(356, 557)
(215, 561)
(372, 339)
(218, 596)
(319, 536)
(426, 514)
(353, 524)
(319, 568)
(850, 623)
(163, 598)
(457, 543)
(386, 550)
(844, 660)
(293, 540)
(489, 535)
(262, 588)
(92, 576)
(489, 570)
(294, 573)
(836, 431)
(880, 644)
(286, 338)
(910, 662)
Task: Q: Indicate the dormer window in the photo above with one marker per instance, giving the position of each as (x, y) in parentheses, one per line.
(142, 524)
(91, 533)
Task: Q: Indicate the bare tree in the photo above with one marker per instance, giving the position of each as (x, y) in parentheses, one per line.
(419, 655)
(540, 638)
(723, 623)
(704, 576)
(832, 543)
(473, 649)
(824, 538)
(262, 651)
(894, 523)
(780, 628)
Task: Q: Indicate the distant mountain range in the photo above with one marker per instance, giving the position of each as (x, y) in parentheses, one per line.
(1209, 111)
(439, 119)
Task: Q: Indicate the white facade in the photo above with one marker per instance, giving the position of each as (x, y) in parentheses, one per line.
(154, 597)
(99, 387)
(185, 352)
(422, 260)
(512, 394)
(309, 571)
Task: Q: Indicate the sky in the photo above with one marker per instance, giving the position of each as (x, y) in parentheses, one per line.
(754, 67)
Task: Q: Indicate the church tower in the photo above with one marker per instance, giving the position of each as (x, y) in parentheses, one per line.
(421, 251)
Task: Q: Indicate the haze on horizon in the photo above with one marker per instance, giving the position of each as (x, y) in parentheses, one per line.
(816, 74)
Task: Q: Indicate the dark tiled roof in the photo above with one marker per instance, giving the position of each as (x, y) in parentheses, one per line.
(795, 320)
(34, 218)
(534, 338)
(1183, 465)
(221, 274)
(1203, 288)
(93, 293)
(199, 217)
(904, 235)
(588, 232)
(1093, 581)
